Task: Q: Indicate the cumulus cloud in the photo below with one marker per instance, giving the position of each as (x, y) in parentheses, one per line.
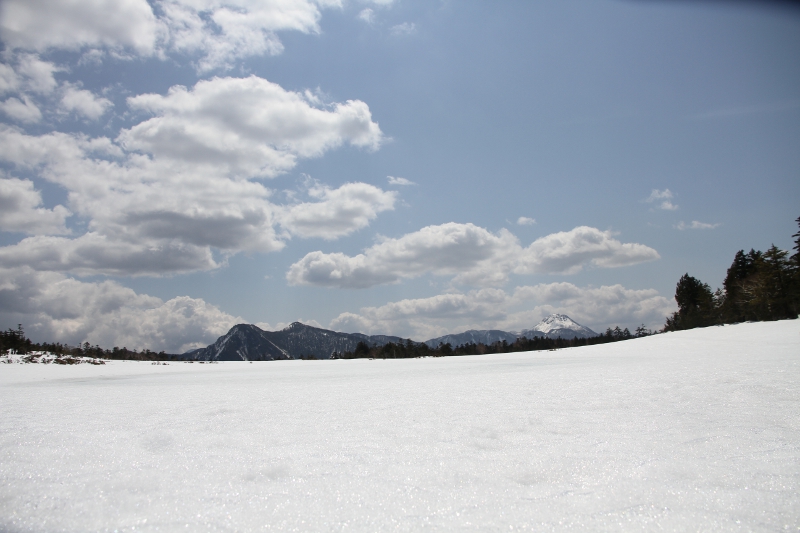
(21, 210)
(74, 24)
(93, 253)
(567, 252)
(84, 102)
(9, 80)
(449, 249)
(248, 125)
(54, 307)
(470, 254)
(695, 225)
(425, 318)
(525, 221)
(38, 75)
(223, 31)
(663, 199)
(215, 32)
(27, 77)
(399, 181)
(21, 109)
(171, 189)
(336, 212)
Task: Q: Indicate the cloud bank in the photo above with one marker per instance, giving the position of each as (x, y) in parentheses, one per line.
(55, 307)
(176, 188)
(216, 33)
(468, 253)
(524, 307)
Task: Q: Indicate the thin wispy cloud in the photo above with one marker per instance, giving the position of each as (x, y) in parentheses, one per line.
(399, 181)
(367, 15)
(406, 28)
(526, 221)
(695, 225)
(663, 199)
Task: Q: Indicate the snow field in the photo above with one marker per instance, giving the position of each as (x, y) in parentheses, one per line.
(696, 430)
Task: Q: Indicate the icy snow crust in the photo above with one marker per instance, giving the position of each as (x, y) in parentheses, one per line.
(697, 430)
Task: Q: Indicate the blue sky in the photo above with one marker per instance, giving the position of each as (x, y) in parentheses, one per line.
(172, 168)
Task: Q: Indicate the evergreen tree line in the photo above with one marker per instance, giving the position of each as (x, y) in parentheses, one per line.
(411, 349)
(758, 286)
(15, 340)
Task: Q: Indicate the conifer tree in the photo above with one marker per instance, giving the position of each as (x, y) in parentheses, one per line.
(696, 306)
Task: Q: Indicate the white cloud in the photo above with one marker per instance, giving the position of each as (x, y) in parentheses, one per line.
(399, 181)
(367, 15)
(567, 252)
(37, 73)
(663, 199)
(425, 318)
(695, 225)
(248, 125)
(222, 32)
(192, 192)
(9, 80)
(525, 221)
(336, 212)
(57, 308)
(84, 102)
(406, 28)
(22, 110)
(93, 253)
(215, 32)
(470, 254)
(74, 24)
(21, 211)
(449, 249)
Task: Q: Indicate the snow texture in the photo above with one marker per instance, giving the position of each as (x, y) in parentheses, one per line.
(696, 430)
(48, 358)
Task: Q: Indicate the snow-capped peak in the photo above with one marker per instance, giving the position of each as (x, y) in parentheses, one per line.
(556, 321)
(558, 325)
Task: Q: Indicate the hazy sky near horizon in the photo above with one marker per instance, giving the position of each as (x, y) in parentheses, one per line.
(171, 168)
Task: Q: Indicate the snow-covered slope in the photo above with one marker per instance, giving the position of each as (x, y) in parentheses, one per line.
(689, 431)
(476, 336)
(558, 325)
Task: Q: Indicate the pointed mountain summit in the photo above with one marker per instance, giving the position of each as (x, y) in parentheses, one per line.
(558, 325)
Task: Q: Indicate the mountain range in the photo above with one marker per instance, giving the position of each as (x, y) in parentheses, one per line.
(552, 327)
(246, 342)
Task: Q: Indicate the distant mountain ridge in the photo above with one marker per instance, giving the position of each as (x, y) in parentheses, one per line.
(246, 342)
(476, 336)
(552, 327)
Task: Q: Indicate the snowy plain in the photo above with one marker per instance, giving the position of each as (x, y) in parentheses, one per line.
(696, 430)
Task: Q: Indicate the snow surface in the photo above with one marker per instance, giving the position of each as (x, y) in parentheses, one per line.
(696, 430)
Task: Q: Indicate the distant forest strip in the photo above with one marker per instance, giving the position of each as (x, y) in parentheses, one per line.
(15, 340)
(413, 349)
(758, 286)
